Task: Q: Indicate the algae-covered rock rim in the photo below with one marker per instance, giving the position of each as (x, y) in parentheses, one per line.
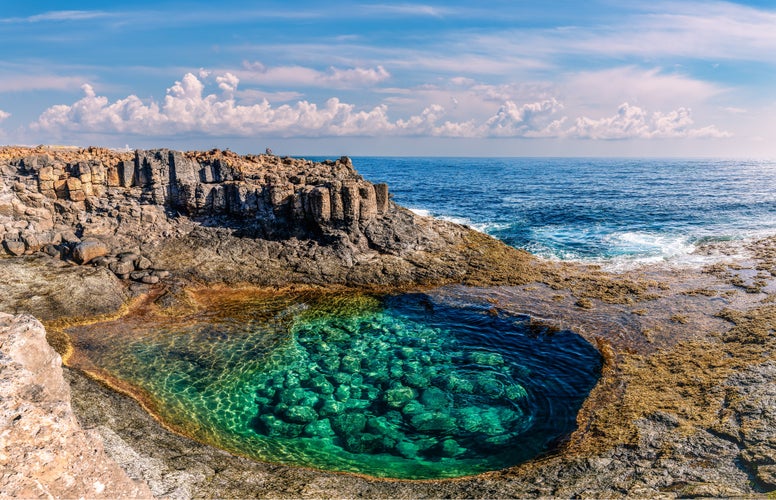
(402, 386)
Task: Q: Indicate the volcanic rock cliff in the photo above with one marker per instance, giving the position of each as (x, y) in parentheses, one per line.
(217, 216)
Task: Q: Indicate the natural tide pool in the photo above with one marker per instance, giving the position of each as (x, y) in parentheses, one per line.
(402, 386)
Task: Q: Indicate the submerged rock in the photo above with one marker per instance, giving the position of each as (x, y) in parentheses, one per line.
(364, 408)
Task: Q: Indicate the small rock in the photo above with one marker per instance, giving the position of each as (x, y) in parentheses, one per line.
(331, 407)
(407, 449)
(53, 251)
(160, 273)
(150, 280)
(319, 428)
(301, 414)
(69, 237)
(399, 396)
(128, 257)
(122, 267)
(85, 251)
(433, 422)
(102, 261)
(14, 247)
(450, 448)
(138, 275)
(143, 263)
(342, 393)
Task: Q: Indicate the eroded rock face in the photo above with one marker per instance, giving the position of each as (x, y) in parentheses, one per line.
(43, 450)
(217, 216)
(276, 197)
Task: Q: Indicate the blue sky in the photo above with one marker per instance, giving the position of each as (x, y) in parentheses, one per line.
(502, 78)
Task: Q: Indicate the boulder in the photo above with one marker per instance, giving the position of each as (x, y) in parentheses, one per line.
(45, 452)
(87, 250)
(14, 247)
(32, 243)
(69, 237)
(122, 267)
(301, 414)
(143, 263)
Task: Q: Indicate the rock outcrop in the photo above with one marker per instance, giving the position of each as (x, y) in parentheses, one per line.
(276, 197)
(217, 216)
(43, 450)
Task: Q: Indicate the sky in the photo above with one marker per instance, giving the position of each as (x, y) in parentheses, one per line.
(455, 78)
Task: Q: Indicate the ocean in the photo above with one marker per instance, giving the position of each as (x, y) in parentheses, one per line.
(620, 213)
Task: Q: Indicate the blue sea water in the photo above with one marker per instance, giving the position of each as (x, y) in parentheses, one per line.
(613, 211)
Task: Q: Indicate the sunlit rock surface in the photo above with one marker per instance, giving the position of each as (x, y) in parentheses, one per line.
(43, 450)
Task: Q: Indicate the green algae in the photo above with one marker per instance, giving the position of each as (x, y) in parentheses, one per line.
(393, 387)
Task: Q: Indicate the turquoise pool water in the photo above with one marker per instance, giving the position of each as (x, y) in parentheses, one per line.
(398, 386)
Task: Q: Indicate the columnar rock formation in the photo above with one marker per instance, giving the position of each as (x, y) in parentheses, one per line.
(100, 206)
(278, 197)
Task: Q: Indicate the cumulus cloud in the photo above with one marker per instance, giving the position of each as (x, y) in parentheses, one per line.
(189, 108)
(633, 122)
(299, 76)
(527, 120)
(4, 115)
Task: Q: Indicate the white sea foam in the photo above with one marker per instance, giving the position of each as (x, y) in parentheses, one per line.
(483, 227)
(627, 250)
(638, 249)
(649, 245)
(420, 211)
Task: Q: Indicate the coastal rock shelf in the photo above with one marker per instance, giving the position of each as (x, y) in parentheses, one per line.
(399, 386)
(220, 217)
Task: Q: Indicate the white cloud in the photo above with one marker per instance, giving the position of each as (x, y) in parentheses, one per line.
(188, 108)
(57, 15)
(529, 120)
(227, 83)
(406, 9)
(10, 82)
(300, 76)
(647, 87)
(256, 95)
(4, 115)
(633, 122)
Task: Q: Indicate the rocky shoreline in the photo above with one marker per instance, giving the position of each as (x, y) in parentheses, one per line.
(685, 406)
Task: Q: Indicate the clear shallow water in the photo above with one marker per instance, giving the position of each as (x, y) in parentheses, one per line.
(399, 387)
(603, 210)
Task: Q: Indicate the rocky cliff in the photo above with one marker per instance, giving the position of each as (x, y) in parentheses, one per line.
(217, 216)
